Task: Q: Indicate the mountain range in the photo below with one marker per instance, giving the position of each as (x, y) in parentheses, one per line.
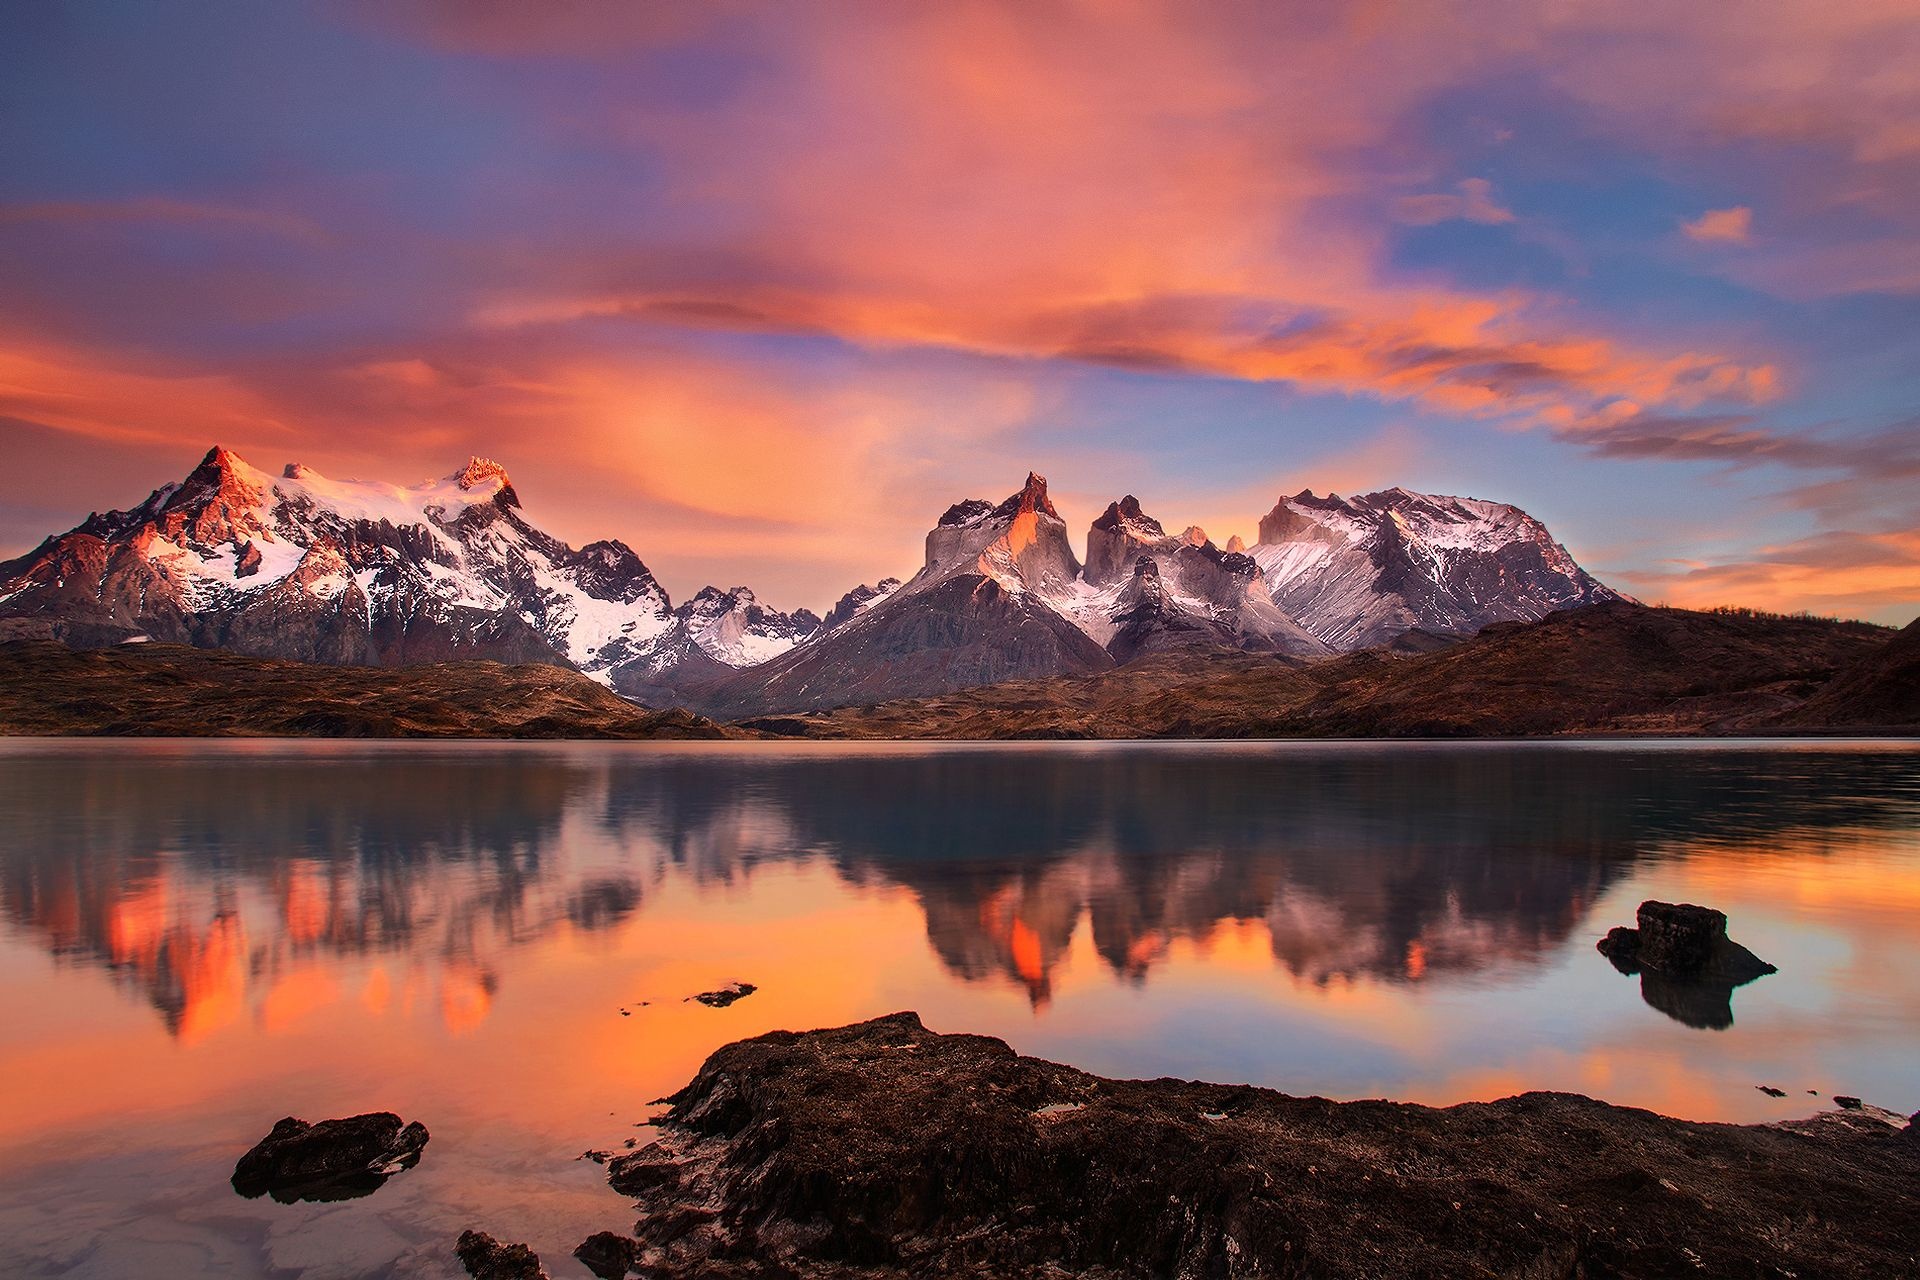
(299, 566)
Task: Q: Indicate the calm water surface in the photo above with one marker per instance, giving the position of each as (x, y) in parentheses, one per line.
(196, 939)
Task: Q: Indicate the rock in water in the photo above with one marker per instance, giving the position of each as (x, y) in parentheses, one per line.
(332, 1160)
(488, 1259)
(1679, 937)
(1688, 966)
(1682, 941)
(726, 995)
(883, 1150)
(607, 1255)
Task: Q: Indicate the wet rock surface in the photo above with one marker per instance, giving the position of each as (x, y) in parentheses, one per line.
(725, 995)
(607, 1254)
(488, 1259)
(882, 1149)
(331, 1160)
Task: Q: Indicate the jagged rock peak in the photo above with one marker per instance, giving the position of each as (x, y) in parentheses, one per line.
(481, 471)
(222, 466)
(965, 512)
(1236, 545)
(713, 594)
(1032, 497)
(1194, 536)
(1126, 514)
(858, 599)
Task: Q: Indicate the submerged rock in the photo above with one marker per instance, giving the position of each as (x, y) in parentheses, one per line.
(488, 1259)
(726, 995)
(331, 1160)
(884, 1150)
(1688, 966)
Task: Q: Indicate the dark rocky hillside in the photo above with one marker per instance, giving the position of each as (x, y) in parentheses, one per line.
(1608, 668)
(165, 690)
(1882, 689)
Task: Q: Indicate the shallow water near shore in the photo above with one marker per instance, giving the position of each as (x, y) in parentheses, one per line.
(499, 940)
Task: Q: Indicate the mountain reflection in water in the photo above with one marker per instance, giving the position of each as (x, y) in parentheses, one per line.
(218, 891)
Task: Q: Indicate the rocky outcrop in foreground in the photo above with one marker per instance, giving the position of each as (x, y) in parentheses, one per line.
(488, 1259)
(882, 1149)
(331, 1160)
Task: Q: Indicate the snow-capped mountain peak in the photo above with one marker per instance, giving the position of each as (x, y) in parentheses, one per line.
(1359, 571)
(302, 565)
(734, 628)
(1020, 543)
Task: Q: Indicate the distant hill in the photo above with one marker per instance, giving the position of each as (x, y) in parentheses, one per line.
(1881, 689)
(1608, 668)
(166, 690)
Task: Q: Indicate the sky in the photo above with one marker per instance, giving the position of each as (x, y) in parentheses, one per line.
(762, 288)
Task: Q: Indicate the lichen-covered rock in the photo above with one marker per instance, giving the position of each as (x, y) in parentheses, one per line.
(331, 1160)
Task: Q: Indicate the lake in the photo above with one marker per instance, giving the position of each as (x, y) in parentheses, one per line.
(499, 940)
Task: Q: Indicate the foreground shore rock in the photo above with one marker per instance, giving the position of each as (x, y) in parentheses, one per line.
(882, 1149)
(488, 1259)
(331, 1160)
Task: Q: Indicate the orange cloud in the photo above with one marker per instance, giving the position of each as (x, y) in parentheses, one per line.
(1134, 185)
(1725, 225)
(1848, 574)
(97, 395)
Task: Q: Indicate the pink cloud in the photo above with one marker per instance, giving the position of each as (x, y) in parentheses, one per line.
(1471, 201)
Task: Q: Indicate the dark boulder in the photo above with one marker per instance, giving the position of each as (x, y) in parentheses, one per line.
(1678, 937)
(1846, 1103)
(607, 1254)
(331, 1160)
(1688, 966)
(488, 1259)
